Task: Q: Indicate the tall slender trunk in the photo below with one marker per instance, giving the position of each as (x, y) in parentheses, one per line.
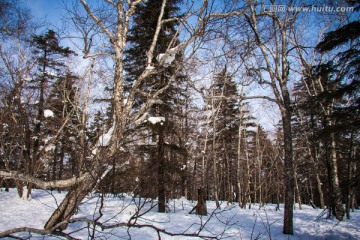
(228, 185)
(61, 163)
(314, 157)
(161, 173)
(246, 194)
(185, 137)
(336, 197)
(350, 172)
(259, 164)
(113, 174)
(238, 164)
(54, 166)
(314, 154)
(215, 173)
(319, 188)
(297, 191)
(184, 178)
(289, 169)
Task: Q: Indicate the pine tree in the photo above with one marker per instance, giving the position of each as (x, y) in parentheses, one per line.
(223, 144)
(50, 57)
(227, 122)
(63, 103)
(306, 125)
(165, 155)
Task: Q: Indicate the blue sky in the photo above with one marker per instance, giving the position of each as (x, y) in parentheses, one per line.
(49, 9)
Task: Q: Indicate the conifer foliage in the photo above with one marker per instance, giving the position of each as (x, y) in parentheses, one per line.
(330, 109)
(164, 150)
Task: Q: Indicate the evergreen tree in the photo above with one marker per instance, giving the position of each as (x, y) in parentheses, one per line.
(224, 141)
(226, 132)
(63, 103)
(164, 156)
(49, 56)
(343, 74)
(333, 100)
(140, 39)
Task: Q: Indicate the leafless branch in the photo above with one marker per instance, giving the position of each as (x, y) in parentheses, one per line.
(40, 183)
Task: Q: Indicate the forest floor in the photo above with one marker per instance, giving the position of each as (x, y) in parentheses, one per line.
(229, 222)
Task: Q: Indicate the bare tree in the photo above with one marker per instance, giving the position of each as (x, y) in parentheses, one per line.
(275, 63)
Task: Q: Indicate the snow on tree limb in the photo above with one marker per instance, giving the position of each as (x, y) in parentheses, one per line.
(48, 113)
(155, 120)
(104, 139)
(40, 183)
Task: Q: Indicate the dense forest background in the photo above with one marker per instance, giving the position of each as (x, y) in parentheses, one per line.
(163, 99)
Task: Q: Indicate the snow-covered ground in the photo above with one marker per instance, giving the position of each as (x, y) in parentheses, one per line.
(231, 222)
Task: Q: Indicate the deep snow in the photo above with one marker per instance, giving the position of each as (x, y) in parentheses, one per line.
(231, 222)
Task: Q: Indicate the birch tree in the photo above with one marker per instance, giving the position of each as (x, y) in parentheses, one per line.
(273, 66)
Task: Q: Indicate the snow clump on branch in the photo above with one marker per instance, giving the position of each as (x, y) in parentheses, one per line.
(155, 120)
(48, 113)
(167, 58)
(104, 140)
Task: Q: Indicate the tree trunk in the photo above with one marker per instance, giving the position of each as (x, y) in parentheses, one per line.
(37, 132)
(184, 182)
(336, 196)
(54, 167)
(350, 170)
(298, 196)
(238, 163)
(113, 176)
(228, 184)
(69, 205)
(289, 169)
(201, 204)
(97, 169)
(319, 188)
(259, 165)
(314, 153)
(246, 193)
(161, 172)
(61, 163)
(215, 180)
